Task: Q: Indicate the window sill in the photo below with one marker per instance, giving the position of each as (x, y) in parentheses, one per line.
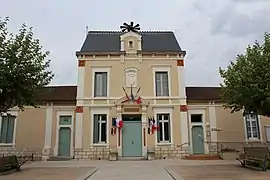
(100, 145)
(101, 98)
(163, 97)
(7, 144)
(164, 144)
(253, 140)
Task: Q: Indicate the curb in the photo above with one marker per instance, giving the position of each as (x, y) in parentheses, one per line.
(87, 175)
(173, 174)
(8, 172)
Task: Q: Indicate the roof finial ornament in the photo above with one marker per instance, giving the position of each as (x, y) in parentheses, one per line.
(86, 29)
(130, 27)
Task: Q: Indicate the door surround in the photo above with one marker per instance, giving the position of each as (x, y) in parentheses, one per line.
(203, 124)
(143, 112)
(58, 126)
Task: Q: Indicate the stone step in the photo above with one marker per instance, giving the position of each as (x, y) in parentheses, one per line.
(203, 157)
(132, 158)
(59, 158)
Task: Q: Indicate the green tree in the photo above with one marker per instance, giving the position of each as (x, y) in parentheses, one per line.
(246, 82)
(23, 68)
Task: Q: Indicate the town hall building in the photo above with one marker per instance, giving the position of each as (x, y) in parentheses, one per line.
(130, 100)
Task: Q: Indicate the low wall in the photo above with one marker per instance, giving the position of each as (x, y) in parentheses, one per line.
(102, 153)
(171, 152)
(95, 153)
(27, 154)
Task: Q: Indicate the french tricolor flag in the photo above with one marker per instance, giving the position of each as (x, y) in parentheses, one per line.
(119, 123)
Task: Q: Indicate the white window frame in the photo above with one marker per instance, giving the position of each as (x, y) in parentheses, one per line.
(162, 121)
(203, 124)
(100, 122)
(164, 111)
(259, 128)
(100, 111)
(266, 137)
(13, 113)
(162, 69)
(100, 70)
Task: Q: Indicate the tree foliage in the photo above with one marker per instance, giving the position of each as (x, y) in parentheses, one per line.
(247, 80)
(23, 67)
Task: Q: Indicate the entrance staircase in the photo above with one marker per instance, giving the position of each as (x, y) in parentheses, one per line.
(203, 157)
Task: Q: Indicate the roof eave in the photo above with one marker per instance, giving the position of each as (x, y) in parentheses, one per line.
(123, 52)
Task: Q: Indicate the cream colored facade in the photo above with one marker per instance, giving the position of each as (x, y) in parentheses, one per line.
(144, 68)
(36, 131)
(40, 130)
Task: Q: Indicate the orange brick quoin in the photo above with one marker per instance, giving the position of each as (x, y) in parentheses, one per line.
(81, 63)
(79, 109)
(180, 62)
(183, 108)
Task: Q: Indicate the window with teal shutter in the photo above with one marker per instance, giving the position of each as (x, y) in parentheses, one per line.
(7, 129)
(100, 128)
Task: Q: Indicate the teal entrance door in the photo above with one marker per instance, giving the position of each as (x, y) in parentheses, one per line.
(197, 140)
(132, 138)
(64, 141)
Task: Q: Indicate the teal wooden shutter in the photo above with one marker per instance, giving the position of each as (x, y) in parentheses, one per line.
(104, 84)
(165, 84)
(7, 129)
(160, 129)
(96, 128)
(258, 126)
(10, 129)
(4, 128)
(96, 85)
(158, 83)
(169, 127)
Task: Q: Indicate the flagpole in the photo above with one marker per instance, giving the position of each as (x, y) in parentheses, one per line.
(138, 90)
(131, 94)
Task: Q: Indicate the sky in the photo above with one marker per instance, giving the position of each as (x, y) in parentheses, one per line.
(212, 32)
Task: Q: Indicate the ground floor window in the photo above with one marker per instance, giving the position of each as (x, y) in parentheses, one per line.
(252, 126)
(164, 133)
(7, 129)
(100, 128)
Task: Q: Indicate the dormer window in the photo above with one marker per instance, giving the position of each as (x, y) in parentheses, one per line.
(130, 44)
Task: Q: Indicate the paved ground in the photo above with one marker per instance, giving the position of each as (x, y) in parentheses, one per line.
(47, 174)
(218, 172)
(123, 170)
(131, 170)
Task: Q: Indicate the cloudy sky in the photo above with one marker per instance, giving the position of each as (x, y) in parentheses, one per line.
(211, 31)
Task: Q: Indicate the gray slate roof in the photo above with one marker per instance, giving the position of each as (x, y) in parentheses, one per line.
(109, 41)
